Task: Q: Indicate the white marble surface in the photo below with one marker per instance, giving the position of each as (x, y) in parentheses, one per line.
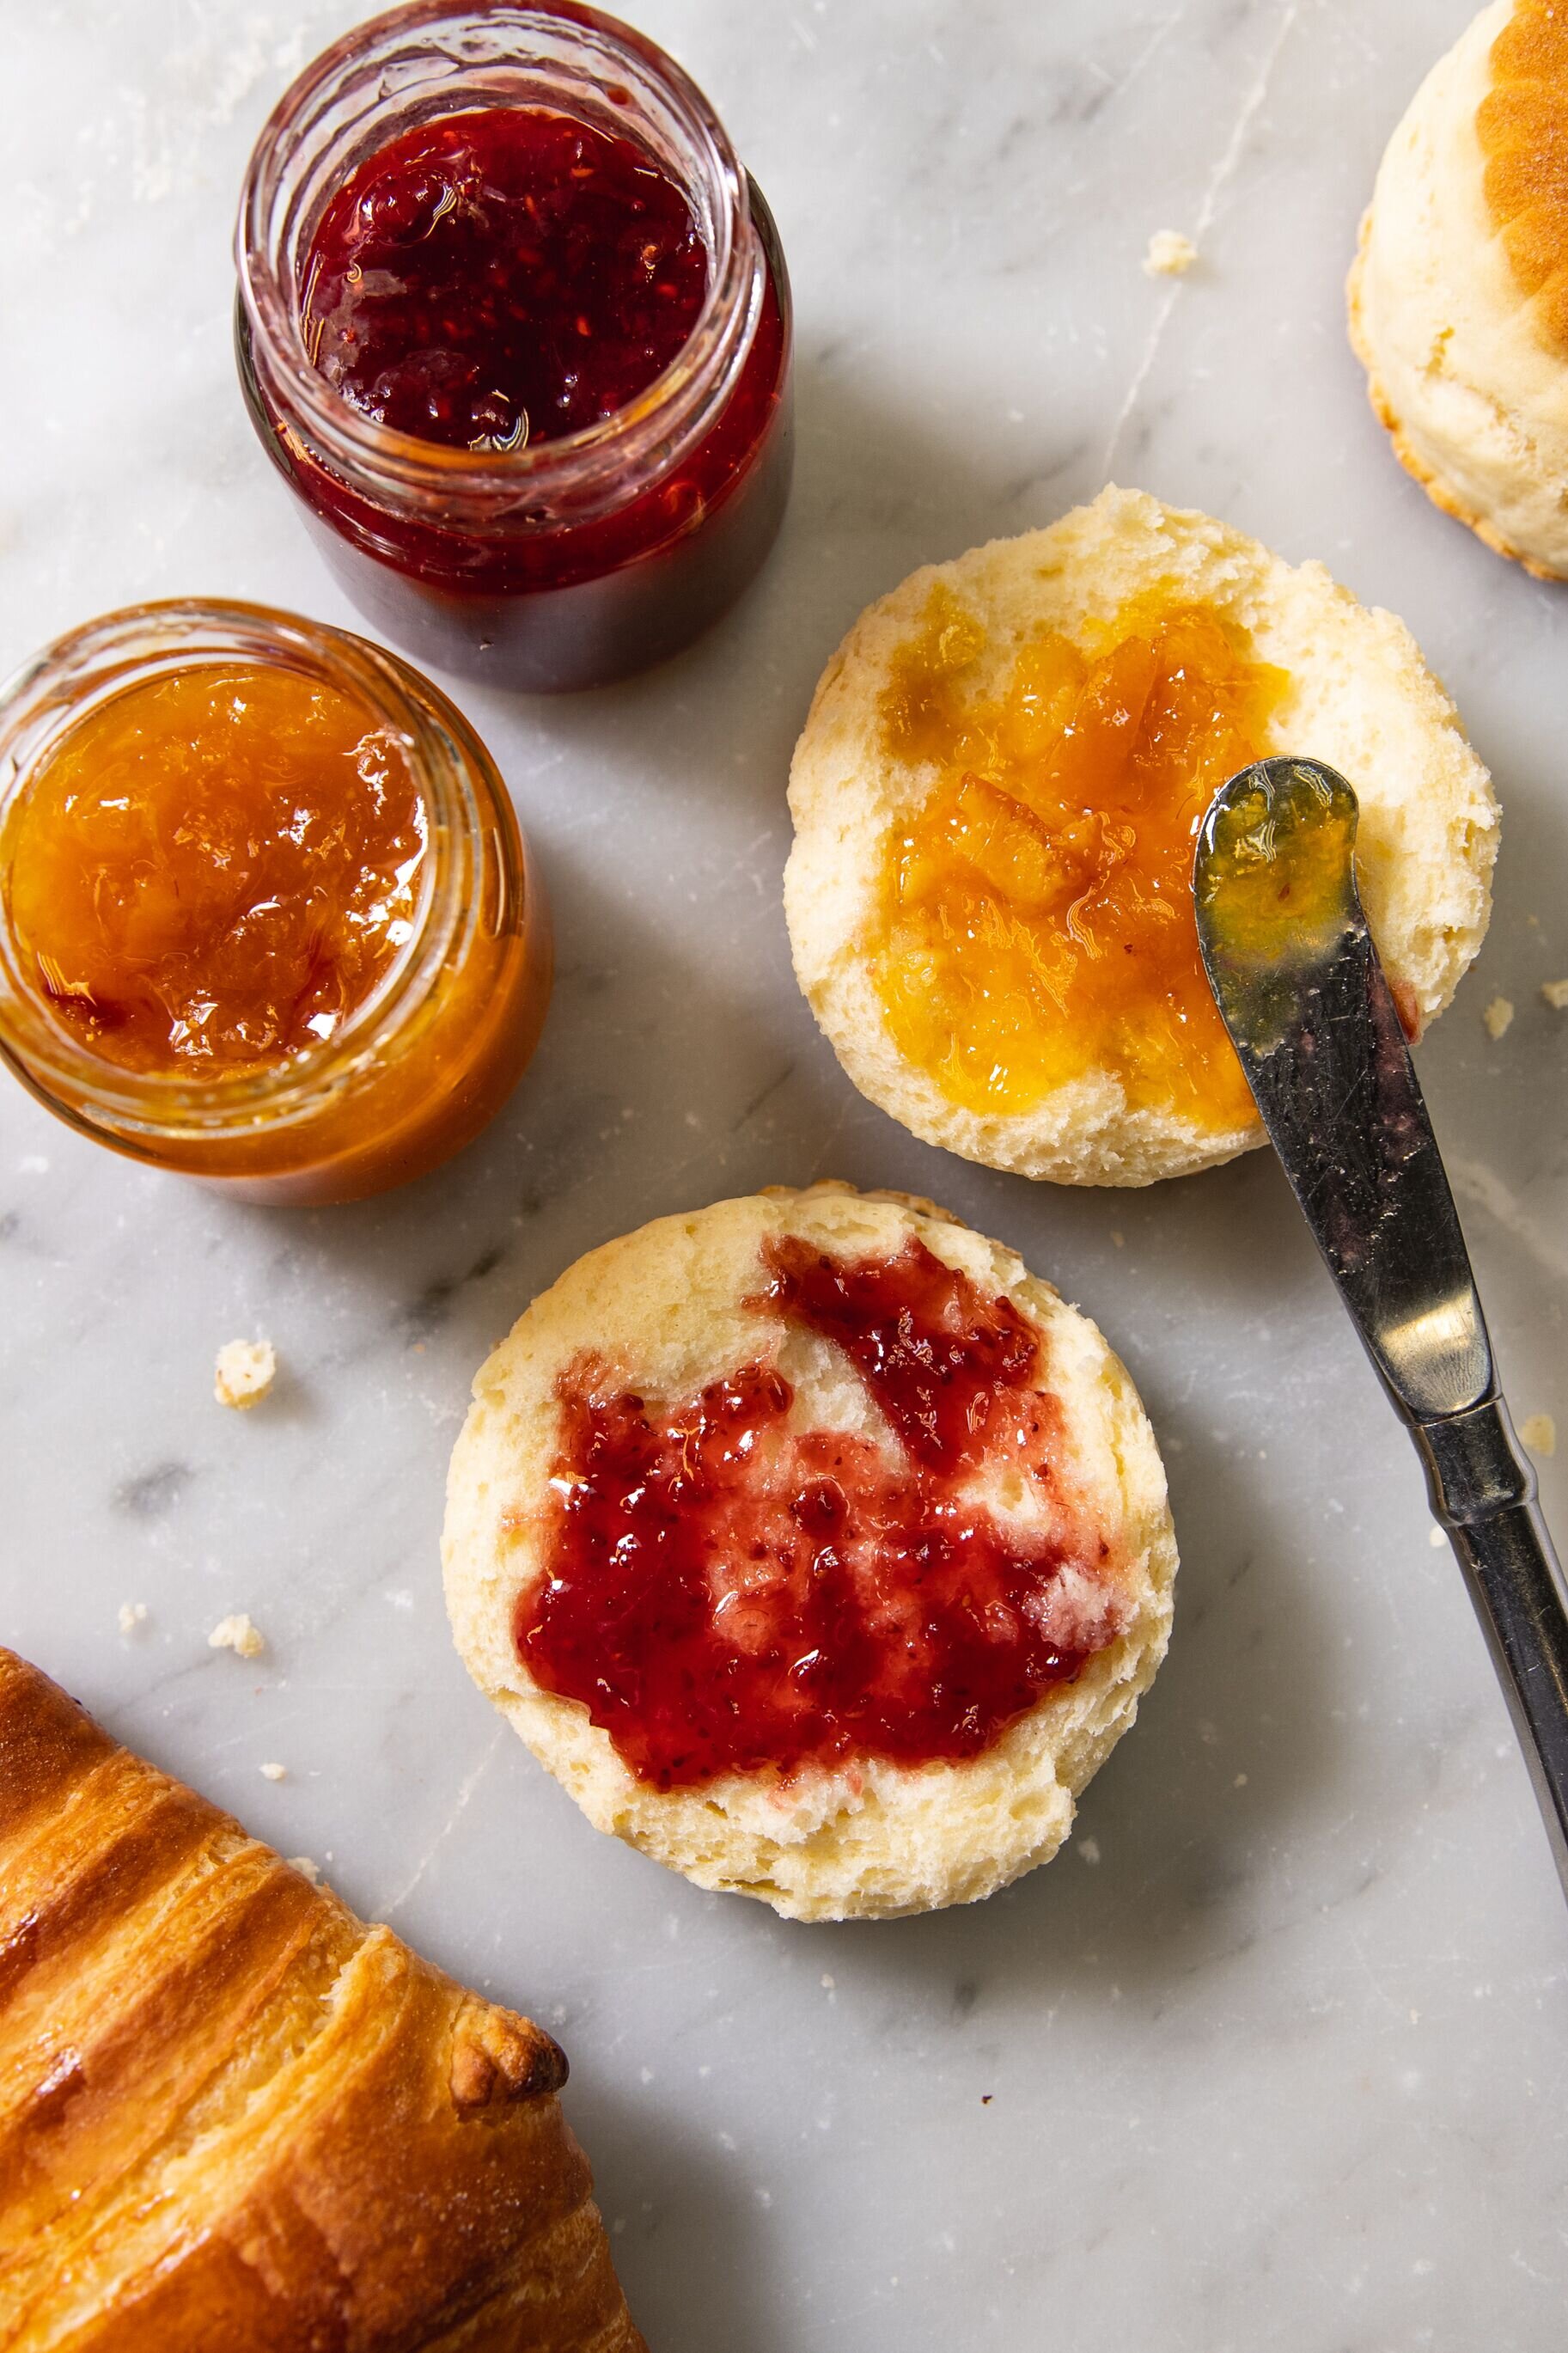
(1275, 2054)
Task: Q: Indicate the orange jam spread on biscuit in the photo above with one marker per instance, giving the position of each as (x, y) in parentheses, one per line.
(212, 871)
(1523, 126)
(1037, 913)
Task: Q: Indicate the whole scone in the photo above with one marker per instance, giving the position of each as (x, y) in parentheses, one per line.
(1458, 295)
(1344, 683)
(817, 1548)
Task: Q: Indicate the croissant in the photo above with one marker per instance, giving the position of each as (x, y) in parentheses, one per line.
(233, 2117)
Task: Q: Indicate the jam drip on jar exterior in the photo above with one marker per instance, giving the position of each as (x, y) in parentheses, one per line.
(501, 277)
(1037, 919)
(725, 1592)
(212, 871)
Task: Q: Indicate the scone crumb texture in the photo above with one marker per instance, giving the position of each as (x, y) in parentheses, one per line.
(237, 1634)
(131, 1615)
(306, 1868)
(1497, 1018)
(1555, 992)
(1539, 1433)
(1171, 254)
(244, 1371)
(274, 1772)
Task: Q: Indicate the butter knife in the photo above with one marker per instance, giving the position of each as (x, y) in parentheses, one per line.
(1299, 989)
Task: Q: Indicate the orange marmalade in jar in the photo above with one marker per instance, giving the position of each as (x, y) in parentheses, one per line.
(266, 916)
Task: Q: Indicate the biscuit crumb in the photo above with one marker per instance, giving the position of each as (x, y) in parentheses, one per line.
(131, 1615)
(1088, 1849)
(1170, 254)
(275, 1772)
(1437, 1538)
(237, 1634)
(306, 1868)
(1555, 992)
(1497, 1016)
(1539, 1433)
(244, 1371)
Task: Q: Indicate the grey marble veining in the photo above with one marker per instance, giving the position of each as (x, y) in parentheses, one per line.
(1274, 2056)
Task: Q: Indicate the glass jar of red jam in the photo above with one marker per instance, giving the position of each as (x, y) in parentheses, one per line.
(266, 914)
(515, 327)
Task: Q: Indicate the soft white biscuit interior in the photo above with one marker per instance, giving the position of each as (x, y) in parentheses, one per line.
(1474, 395)
(1360, 697)
(665, 1308)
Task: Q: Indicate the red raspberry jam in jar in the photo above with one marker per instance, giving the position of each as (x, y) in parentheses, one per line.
(725, 1592)
(515, 327)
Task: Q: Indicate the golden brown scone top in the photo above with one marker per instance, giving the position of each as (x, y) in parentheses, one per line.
(232, 2114)
(1523, 125)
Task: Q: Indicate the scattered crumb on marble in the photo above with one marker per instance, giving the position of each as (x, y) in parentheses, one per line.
(1240, 1782)
(237, 1634)
(826, 1982)
(1539, 1433)
(244, 1371)
(1170, 254)
(1555, 992)
(131, 1615)
(275, 1772)
(1118, 1238)
(1088, 1848)
(1497, 1016)
(1437, 1538)
(306, 1868)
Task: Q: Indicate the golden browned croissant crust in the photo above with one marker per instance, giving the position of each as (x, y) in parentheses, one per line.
(235, 2118)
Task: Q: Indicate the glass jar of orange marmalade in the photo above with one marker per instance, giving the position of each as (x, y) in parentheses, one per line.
(515, 327)
(266, 914)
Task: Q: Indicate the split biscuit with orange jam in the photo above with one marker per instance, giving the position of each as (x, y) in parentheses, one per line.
(1458, 296)
(997, 798)
(816, 1546)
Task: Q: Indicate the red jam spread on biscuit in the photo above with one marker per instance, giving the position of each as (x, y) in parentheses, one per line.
(502, 277)
(726, 1592)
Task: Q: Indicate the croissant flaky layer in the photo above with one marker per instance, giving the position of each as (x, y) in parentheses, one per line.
(232, 2115)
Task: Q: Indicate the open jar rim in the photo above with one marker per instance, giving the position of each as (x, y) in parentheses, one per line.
(431, 58)
(50, 694)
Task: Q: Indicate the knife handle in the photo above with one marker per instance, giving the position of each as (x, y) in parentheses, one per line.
(1483, 1491)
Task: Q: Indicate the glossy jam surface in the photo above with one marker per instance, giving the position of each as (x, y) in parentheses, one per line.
(211, 871)
(1037, 913)
(1276, 883)
(502, 277)
(724, 1590)
(1523, 126)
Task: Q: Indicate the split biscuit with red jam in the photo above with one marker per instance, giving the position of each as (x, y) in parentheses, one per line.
(816, 1546)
